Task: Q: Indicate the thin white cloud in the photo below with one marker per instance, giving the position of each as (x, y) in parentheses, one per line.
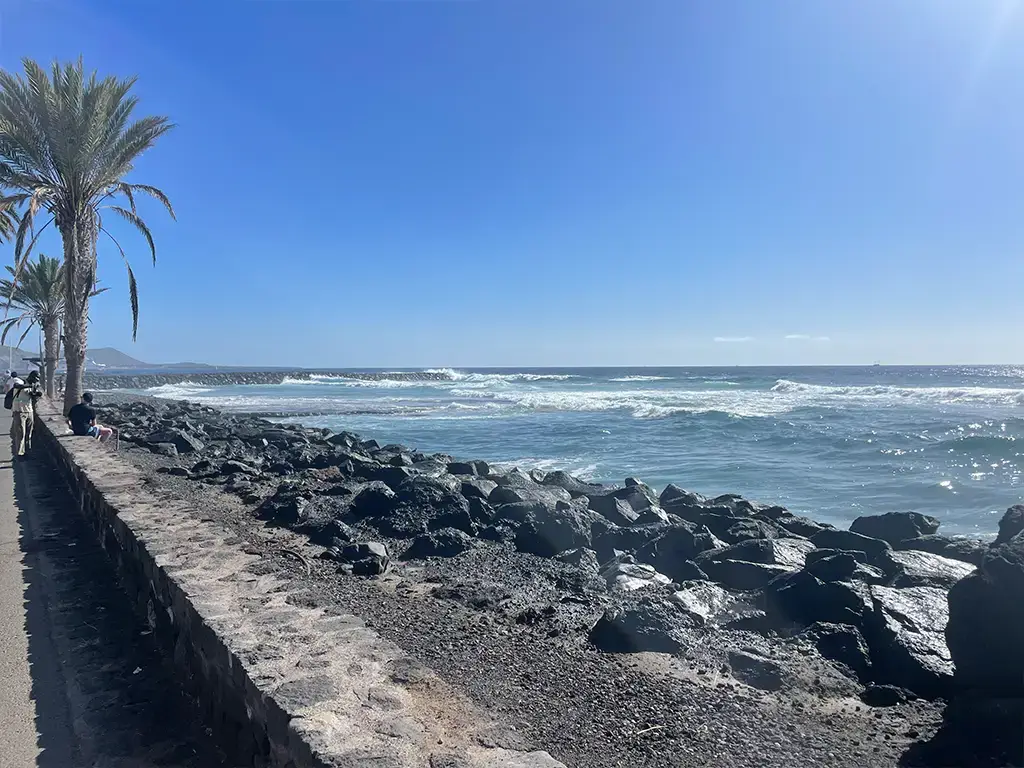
(805, 337)
(733, 339)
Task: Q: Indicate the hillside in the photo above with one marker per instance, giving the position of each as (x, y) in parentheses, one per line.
(108, 357)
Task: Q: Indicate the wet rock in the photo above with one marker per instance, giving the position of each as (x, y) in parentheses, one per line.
(1011, 523)
(650, 624)
(756, 671)
(479, 487)
(674, 547)
(923, 569)
(905, 634)
(894, 527)
(624, 574)
(843, 644)
(883, 696)
(956, 548)
(986, 622)
(447, 542)
(849, 540)
(368, 558)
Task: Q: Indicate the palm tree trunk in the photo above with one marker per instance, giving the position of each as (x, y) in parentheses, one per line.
(80, 277)
(51, 341)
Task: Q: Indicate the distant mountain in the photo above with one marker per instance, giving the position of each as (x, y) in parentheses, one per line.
(108, 357)
(15, 359)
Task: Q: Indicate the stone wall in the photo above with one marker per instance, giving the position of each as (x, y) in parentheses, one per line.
(281, 684)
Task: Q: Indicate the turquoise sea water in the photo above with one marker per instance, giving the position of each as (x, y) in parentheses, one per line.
(833, 443)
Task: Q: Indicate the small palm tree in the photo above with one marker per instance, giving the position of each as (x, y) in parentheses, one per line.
(37, 295)
(66, 144)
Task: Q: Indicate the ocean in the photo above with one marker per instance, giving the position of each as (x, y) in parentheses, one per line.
(831, 443)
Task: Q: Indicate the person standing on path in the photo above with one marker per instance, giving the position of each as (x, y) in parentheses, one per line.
(24, 413)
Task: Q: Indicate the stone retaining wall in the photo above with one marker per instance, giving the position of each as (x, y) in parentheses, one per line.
(281, 684)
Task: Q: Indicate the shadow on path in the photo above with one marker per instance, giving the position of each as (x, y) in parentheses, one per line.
(104, 695)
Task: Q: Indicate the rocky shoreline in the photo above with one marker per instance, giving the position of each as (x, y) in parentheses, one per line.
(725, 602)
(115, 381)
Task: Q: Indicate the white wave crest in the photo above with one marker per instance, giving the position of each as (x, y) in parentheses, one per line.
(179, 391)
(643, 378)
(881, 394)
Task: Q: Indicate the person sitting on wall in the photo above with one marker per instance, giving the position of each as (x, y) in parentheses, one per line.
(82, 420)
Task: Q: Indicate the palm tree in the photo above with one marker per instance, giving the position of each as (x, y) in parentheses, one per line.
(37, 295)
(66, 144)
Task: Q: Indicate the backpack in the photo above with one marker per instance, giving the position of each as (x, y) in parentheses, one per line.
(9, 398)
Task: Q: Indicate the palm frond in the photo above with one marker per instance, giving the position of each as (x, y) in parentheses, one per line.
(136, 221)
(133, 288)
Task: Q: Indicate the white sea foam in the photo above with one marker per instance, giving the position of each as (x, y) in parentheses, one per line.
(643, 378)
(818, 393)
(179, 391)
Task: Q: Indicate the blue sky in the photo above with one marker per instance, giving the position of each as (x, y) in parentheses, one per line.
(499, 182)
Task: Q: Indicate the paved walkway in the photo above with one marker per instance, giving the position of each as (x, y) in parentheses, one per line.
(81, 685)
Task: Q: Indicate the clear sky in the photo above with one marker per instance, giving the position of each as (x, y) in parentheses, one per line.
(566, 182)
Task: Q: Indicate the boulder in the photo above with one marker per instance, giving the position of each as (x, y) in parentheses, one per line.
(515, 478)
(842, 644)
(163, 449)
(614, 509)
(954, 547)
(571, 484)
(479, 487)
(734, 530)
(183, 442)
(583, 558)
(850, 540)
(894, 527)
(801, 598)
(923, 569)
(656, 515)
(447, 542)
(985, 632)
(469, 468)
(499, 532)
(650, 624)
(905, 635)
(552, 531)
(704, 600)
(741, 575)
(365, 559)
(674, 546)
(788, 552)
(419, 501)
(375, 499)
(795, 525)
(838, 565)
(624, 574)
(626, 539)
(392, 477)
(1011, 524)
(673, 495)
(510, 494)
(234, 467)
(755, 670)
(321, 520)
